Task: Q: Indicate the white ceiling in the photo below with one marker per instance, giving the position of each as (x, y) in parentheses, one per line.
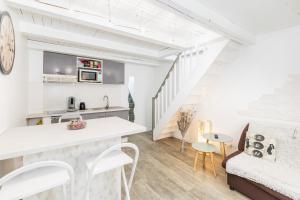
(136, 29)
(58, 24)
(257, 16)
(144, 16)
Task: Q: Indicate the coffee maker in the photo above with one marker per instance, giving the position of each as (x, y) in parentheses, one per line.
(71, 104)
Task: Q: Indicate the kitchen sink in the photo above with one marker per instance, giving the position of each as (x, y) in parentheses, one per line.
(115, 107)
(97, 108)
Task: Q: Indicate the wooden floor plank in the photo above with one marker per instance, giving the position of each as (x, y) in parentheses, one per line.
(163, 173)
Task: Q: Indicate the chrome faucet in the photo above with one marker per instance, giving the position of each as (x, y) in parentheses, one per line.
(105, 98)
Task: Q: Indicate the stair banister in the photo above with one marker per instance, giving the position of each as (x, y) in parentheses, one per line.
(155, 105)
(173, 82)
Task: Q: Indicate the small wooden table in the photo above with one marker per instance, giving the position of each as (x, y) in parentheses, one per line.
(222, 139)
(204, 149)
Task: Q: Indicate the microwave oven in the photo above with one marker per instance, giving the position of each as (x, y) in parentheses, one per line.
(90, 75)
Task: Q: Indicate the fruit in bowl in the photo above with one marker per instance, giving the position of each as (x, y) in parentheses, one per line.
(76, 124)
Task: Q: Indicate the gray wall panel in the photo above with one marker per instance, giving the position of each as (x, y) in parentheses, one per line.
(55, 63)
(113, 72)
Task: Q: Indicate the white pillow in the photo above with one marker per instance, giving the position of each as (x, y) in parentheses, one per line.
(260, 146)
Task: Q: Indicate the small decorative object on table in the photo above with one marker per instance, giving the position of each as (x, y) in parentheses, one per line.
(216, 136)
(76, 124)
(184, 121)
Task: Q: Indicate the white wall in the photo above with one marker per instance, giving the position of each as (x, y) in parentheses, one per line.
(263, 82)
(13, 98)
(144, 88)
(55, 95)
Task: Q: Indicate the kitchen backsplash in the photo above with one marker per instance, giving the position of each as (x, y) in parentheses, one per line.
(55, 95)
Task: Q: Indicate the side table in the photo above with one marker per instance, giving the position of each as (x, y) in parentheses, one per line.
(206, 150)
(222, 139)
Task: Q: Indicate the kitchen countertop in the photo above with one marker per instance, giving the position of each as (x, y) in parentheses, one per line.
(27, 140)
(87, 111)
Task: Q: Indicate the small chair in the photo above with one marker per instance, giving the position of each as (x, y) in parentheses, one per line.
(35, 178)
(113, 158)
(68, 117)
(204, 149)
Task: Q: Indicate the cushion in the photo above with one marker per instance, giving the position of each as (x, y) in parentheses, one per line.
(288, 148)
(280, 178)
(260, 146)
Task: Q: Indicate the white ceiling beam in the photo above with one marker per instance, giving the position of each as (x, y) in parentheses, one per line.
(33, 31)
(196, 12)
(90, 21)
(79, 51)
(168, 52)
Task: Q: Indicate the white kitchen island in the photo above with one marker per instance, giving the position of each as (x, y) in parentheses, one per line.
(55, 142)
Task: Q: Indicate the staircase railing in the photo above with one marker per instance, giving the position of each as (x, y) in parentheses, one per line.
(178, 74)
(155, 98)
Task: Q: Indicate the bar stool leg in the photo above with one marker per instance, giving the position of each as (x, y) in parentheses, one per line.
(213, 163)
(196, 160)
(126, 188)
(87, 195)
(66, 197)
(72, 190)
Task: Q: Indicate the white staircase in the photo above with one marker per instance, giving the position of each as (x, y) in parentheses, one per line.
(184, 75)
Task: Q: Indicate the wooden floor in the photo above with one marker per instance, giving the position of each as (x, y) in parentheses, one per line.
(165, 173)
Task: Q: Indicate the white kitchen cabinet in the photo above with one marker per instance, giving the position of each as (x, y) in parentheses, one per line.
(122, 114)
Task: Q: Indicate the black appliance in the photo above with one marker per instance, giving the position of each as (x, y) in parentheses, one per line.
(82, 106)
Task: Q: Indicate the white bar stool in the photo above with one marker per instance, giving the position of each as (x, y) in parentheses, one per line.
(69, 116)
(35, 178)
(113, 158)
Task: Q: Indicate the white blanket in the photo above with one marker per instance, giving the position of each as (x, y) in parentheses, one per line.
(280, 178)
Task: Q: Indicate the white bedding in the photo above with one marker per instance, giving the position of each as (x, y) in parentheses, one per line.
(280, 178)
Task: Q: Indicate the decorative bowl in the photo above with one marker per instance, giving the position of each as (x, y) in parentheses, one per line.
(76, 124)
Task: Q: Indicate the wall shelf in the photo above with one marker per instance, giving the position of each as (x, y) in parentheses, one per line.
(58, 78)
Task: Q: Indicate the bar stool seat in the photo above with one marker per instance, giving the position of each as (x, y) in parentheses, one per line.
(36, 178)
(110, 161)
(113, 158)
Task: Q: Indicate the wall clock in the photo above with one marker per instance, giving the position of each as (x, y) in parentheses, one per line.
(7, 43)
